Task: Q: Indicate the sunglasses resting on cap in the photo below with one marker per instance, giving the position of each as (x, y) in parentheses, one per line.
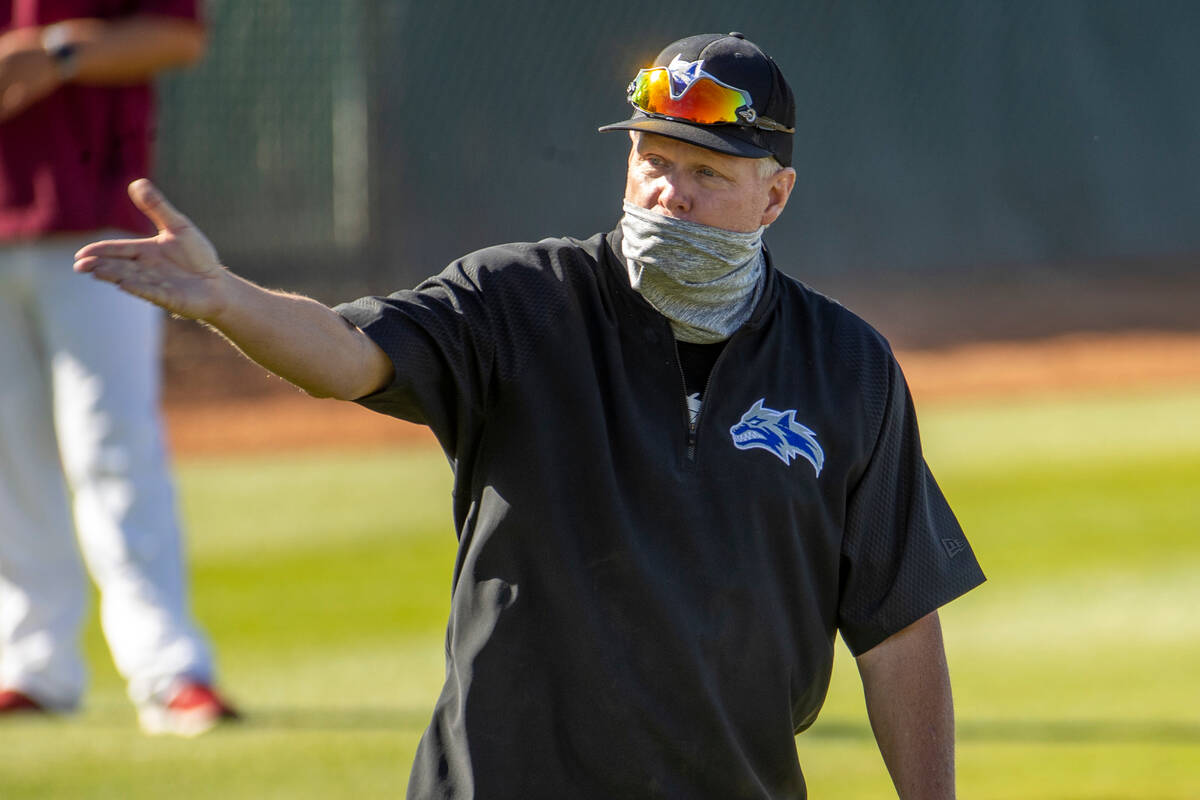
(718, 91)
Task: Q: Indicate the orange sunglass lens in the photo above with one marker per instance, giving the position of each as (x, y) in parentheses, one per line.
(705, 101)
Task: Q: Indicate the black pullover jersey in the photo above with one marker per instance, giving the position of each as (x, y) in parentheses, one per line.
(642, 607)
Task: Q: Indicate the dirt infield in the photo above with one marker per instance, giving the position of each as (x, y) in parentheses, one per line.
(218, 402)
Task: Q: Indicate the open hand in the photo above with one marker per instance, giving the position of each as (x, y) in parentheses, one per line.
(176, 269)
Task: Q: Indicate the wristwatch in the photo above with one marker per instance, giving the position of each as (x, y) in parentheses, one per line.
(64, 52)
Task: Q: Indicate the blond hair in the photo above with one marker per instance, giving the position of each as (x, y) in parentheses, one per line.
(768, 166)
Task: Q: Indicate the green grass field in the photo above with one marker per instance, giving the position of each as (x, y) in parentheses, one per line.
(324, 581)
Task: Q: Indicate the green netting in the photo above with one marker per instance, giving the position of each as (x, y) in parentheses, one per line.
(367, 143)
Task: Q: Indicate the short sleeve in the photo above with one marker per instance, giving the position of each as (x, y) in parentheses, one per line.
(456, 337)
(439, 341)
(904, 553)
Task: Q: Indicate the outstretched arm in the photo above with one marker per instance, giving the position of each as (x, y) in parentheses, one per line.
(295, 337)
(907, 687)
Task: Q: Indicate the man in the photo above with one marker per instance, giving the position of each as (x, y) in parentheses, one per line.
(80, 362)
(677, 472)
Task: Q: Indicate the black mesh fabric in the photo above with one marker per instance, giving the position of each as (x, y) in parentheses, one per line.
(639, 601)
(904, 553)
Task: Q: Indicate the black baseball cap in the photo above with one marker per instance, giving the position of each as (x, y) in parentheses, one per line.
(763, 128)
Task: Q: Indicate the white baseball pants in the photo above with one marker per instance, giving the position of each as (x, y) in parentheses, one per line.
(81, 432)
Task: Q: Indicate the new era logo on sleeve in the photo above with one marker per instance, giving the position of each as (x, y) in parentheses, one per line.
(954, 546)
(779, 433)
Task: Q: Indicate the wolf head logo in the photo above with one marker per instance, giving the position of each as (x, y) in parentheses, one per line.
(779, 433)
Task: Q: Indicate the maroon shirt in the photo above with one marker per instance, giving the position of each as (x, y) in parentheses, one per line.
(66, 160)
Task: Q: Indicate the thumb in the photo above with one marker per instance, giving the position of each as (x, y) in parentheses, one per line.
(151, 202)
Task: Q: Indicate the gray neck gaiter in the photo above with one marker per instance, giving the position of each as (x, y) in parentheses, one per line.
(704, 280)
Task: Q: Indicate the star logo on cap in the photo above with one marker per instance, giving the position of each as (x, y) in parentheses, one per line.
(683, 74)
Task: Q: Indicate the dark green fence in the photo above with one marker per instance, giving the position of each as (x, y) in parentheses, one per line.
(360, 145)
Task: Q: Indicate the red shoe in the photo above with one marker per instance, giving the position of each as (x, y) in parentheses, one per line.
(193, 709)
(14, 702)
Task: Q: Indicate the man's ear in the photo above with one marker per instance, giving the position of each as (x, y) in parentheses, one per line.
(779, 189)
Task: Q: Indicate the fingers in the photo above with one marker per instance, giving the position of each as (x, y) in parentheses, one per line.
(112, 270)
(113, 248)
(150, 201)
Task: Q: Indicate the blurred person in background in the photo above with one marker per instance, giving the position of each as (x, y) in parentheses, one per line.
(80, 424)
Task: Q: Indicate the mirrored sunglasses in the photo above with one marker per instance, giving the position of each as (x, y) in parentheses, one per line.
(703, 99)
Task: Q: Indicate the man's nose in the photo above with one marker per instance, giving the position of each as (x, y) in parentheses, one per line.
(674, 198)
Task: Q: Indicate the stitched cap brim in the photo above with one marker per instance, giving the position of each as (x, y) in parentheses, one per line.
(723, 139)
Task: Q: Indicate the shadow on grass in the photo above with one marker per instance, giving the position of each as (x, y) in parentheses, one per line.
(116, 716)
(368, 719)
(1037, 730)
(335, 719)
